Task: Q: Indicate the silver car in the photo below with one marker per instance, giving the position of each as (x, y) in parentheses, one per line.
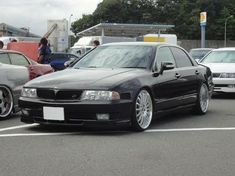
(222, 64)
(12, 79)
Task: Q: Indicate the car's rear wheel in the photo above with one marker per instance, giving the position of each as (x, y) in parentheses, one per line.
(6, 102)
(143, 111)
(203, 99)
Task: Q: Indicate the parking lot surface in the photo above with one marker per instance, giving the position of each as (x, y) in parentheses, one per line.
(176, 144)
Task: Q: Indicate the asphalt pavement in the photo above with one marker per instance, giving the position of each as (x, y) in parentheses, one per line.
(176, 145)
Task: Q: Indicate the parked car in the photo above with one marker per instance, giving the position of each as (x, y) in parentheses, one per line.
(222, 64)
(12, 79)
(199, 53)
(57, 60)
(17, 58)
(119, 83)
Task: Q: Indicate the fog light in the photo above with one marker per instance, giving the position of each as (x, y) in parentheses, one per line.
(102, 116)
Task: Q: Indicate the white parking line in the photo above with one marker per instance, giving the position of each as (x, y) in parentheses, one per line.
(98, 132)
(18, 127)
(190, 129)
(34, 134)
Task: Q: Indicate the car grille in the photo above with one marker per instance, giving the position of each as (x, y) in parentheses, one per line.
(216, 75)
(52, 94)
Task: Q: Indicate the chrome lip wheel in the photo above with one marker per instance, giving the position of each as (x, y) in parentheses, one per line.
(204, 98)
(6, 102)
(144, 109)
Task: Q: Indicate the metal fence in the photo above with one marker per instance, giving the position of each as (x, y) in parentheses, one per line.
(189, 44)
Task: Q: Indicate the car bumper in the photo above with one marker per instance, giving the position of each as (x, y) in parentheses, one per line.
(77, 113)
(226, 85)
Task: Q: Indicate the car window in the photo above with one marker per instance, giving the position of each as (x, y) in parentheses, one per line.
(18, 59)
(164, 54)
(72, 56)
(58, 57)
(181, 58)
(220, 57)
(198, 54)
(4, 58)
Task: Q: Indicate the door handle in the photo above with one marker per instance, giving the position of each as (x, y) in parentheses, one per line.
(177, 75)
(197, 72)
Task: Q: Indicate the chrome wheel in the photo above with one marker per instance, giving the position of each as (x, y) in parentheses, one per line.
(204, 98)
(6, 102)
(143, 109)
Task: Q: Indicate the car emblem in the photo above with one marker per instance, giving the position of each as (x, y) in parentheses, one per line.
(56, 91)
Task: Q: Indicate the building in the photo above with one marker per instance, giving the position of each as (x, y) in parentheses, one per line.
(8, 30)
(57, 35)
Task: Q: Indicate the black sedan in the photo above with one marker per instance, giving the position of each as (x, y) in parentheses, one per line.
(119, 83)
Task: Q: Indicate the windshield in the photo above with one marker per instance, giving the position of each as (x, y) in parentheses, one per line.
(118, 57)
(220, 57)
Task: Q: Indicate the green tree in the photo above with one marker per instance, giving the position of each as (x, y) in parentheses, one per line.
(184, 14)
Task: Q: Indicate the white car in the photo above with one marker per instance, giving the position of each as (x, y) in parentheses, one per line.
(222, 64)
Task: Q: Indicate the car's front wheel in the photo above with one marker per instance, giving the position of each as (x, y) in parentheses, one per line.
(6, 102)
(143, 111)
(203, 99)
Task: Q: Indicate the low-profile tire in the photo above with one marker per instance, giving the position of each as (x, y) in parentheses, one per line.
(143, 111)
(6, 102)
(203, 98)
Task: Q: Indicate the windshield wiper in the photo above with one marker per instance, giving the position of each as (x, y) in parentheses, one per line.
(134, 67)
(92, 67)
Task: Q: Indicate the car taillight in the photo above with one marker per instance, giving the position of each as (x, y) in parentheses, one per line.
(32, 75)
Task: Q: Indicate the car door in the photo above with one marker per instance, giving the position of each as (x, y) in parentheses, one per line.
(187, 75)
(4, 58)
(165, 84)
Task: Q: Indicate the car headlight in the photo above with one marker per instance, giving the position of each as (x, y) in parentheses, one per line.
(29, 92)
(227, 75)
(100, 95)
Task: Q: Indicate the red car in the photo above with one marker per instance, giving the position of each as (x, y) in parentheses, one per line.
(17, 58)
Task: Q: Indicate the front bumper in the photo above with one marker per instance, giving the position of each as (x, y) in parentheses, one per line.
(226, 85)
(77, 113)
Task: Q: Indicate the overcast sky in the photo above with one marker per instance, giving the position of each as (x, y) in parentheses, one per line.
(33, 14)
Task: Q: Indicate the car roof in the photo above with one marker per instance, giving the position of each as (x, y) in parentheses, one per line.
(201, 49)
(225, 49)
(139, 44)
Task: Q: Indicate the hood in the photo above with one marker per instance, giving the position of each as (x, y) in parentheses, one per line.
(221, 67)
(85, 78)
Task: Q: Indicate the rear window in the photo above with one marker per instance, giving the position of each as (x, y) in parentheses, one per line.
(198, 54)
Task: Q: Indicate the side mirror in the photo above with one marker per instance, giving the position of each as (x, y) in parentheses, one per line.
(67, 63)
(166, 66)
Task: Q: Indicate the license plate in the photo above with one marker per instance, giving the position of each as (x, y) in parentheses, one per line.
(53, 113)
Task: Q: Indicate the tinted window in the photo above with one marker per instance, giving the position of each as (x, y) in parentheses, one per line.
(181, 58)
(118, 56)
(4, 58)
(220, 57)
(164, 55)
(18, 59)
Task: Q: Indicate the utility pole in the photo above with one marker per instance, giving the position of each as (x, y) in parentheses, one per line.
(225, 29)
(203, 29)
